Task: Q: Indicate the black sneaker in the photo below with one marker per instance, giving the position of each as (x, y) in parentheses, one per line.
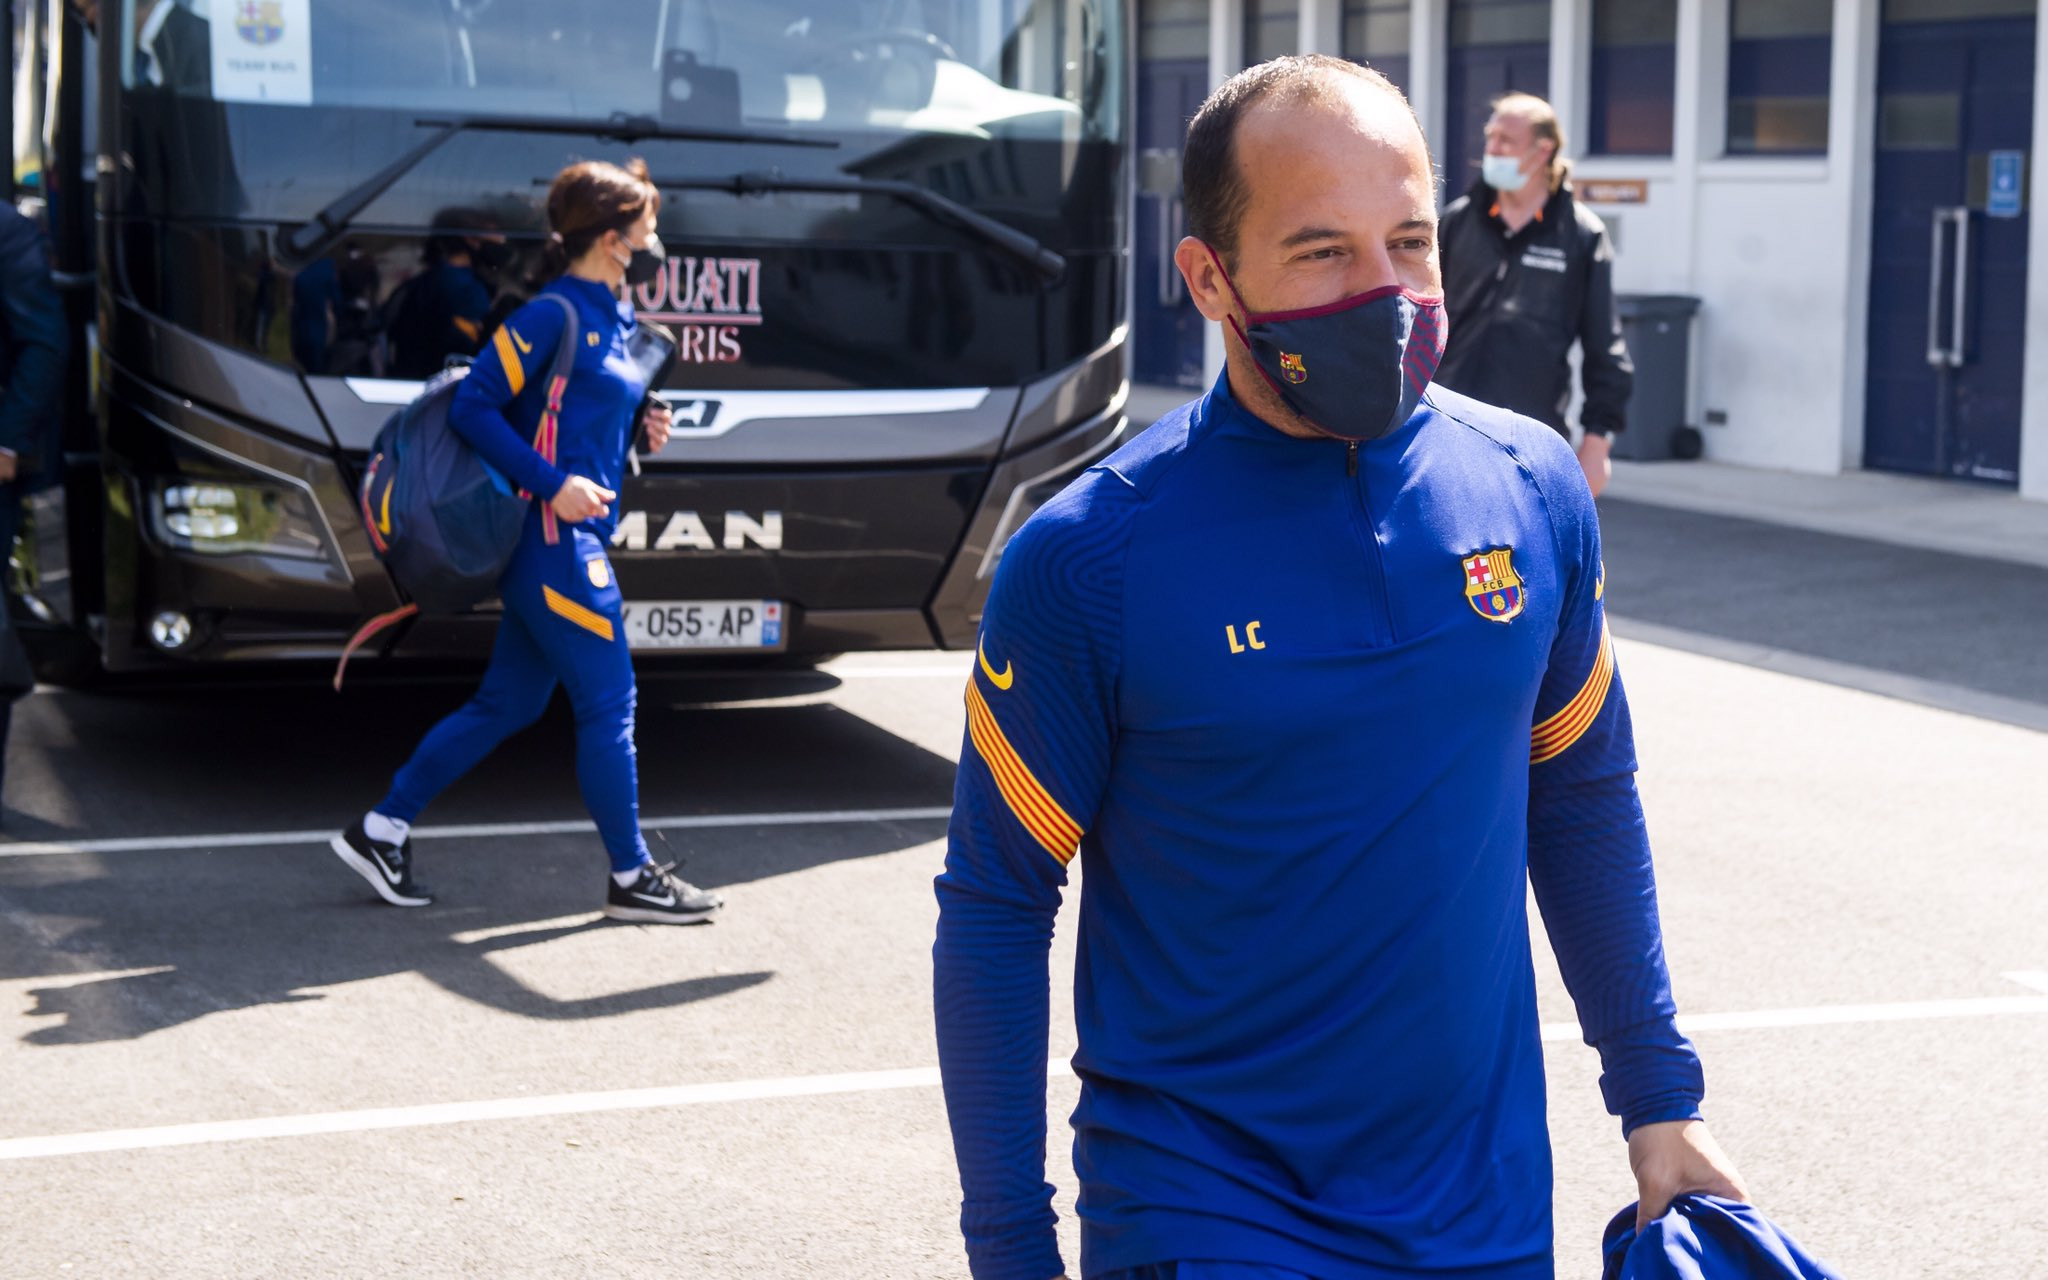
(388, 867)
(658, 897)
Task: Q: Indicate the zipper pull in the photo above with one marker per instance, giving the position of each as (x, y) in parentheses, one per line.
(1351, 458)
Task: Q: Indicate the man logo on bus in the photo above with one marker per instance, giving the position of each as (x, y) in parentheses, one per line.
(708, 301)
(260, 21)
(1293, 369)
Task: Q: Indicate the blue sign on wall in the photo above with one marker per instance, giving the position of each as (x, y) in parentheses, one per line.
(2008, 170)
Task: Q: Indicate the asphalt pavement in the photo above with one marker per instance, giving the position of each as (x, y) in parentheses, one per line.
(223, 1057)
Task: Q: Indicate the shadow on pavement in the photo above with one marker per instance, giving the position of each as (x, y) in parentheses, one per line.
(230, 760)
(181, 934)
(1924, 615)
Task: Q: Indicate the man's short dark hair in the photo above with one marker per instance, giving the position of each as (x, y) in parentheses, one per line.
(1212, 186)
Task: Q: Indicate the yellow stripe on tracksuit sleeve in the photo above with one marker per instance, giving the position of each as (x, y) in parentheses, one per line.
(1032, 804)
(1554, 736)
(595, 623)
(515, 372)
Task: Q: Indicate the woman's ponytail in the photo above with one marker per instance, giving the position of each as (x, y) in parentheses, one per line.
(554, 257)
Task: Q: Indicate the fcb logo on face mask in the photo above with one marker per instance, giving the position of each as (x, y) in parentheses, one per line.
(1293, 368)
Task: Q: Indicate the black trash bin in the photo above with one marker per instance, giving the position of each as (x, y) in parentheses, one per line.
(1658, 329)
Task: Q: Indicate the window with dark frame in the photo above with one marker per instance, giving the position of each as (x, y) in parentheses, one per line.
(1633, 78)
(1272, 28)
(1376, 33)
(1778, 76)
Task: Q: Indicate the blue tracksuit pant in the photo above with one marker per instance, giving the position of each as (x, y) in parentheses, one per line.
(562, 625)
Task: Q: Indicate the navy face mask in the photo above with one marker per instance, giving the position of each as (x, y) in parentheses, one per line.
(1355, 368)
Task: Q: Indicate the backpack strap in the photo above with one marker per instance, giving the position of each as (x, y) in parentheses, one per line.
(362, 636)
(547, 436)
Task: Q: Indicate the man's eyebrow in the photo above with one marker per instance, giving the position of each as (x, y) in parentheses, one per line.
(1308, 234)
(1415, 224)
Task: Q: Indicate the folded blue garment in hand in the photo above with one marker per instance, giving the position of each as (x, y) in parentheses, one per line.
(1705, 1238)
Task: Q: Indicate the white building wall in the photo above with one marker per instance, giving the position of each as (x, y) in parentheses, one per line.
(1777, 249)
(2034, 411)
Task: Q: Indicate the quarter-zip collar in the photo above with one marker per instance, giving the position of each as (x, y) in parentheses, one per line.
(1221, 412)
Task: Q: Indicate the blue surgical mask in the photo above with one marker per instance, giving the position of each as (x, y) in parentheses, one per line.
(1355, 368)
(1502, 173)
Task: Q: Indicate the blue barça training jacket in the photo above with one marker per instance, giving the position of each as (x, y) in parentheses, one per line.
(498, 406)
(1308, 712)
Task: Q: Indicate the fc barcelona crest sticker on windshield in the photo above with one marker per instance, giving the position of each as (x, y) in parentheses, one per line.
(260, 21)
(1491, 587)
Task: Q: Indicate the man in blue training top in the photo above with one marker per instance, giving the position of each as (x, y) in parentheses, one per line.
(1310, 674)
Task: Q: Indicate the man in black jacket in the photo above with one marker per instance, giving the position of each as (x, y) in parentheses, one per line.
(33, 351)
(1528, 270)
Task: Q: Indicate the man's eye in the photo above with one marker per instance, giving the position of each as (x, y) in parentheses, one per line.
(1317, 255)
(1411, 246)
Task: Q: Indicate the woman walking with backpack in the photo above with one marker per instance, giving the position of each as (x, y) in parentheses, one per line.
(562, 621)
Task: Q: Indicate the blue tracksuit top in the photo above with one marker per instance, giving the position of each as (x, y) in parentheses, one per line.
(1309, 713)
(498, 406)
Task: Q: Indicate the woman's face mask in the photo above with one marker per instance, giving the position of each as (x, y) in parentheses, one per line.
(1355, 368)
(642, 265)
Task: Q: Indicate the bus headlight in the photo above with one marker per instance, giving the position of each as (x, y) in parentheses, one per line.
(232, 517)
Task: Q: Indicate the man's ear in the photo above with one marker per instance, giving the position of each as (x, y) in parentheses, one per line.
(1211, 293)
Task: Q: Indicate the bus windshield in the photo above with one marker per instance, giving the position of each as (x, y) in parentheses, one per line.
(1020, 69)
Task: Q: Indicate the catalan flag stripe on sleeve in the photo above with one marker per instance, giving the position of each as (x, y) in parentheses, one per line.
(515, 373)
(1032, 804)
(1554, 736)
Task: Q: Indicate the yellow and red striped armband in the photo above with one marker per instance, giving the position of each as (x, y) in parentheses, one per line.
(1032, 804)
(1552, 737)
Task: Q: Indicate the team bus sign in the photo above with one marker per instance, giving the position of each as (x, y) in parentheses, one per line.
(708, 301)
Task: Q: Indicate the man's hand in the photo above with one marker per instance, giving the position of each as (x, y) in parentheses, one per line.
(1593, 460)
(580, 499)
(656, 424)
(1673, 1158)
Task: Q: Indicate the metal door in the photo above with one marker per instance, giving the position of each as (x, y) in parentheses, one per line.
(1494, 47)
(1167, 340)
(1948, 278)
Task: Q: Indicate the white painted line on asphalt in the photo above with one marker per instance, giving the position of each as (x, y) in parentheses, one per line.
(56, 981)
(471, 831)
(1848, 675)
(1836, 1015)
(953, 671)
(690, 1095)
(439, 1113)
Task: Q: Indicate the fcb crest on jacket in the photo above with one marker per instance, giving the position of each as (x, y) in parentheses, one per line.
(1491, 586)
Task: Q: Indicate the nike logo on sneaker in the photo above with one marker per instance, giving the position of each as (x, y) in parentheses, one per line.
(666, 900)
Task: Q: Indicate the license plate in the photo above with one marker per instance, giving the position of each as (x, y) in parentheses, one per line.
(704, 624)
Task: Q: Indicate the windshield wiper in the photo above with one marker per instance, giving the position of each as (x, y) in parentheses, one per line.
(1016, 243)
(317, 235)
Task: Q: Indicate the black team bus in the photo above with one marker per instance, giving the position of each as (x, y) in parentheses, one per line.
(897, 235)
